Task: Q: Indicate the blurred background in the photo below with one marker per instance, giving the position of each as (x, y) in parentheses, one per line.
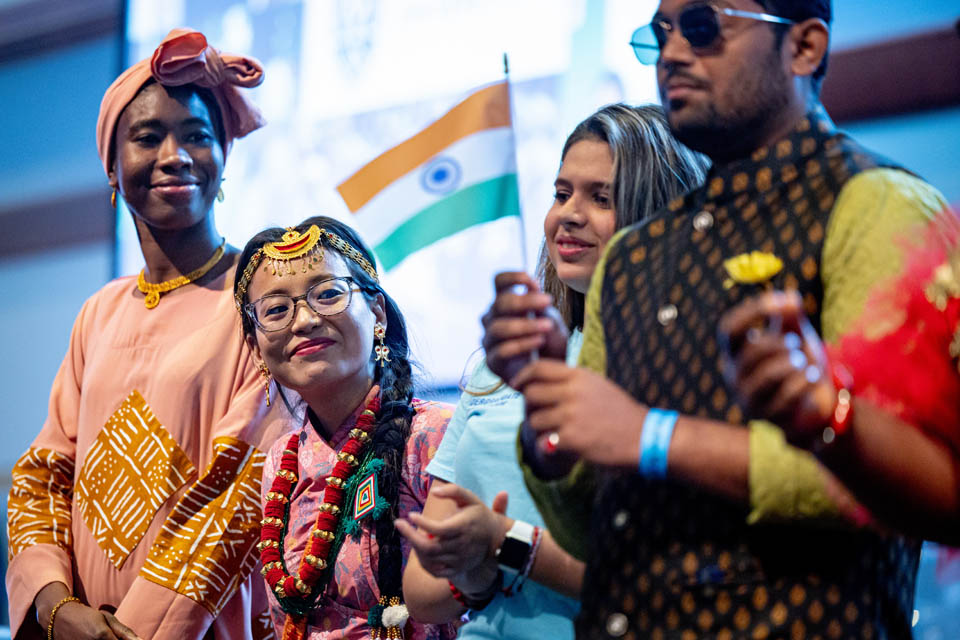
(344, 81)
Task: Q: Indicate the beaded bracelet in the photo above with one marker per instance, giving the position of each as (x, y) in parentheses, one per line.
(655, 438)
(53, 613)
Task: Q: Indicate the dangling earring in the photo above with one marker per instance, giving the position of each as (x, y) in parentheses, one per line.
(220, 194)
(265, 372)
(113, 198)
(382, 350)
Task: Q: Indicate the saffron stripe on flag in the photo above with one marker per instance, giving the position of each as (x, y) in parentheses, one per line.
(482, 202)
(486, 109)
(479, 157)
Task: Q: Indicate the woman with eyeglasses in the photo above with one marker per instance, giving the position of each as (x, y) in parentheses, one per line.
(135, 510)
(499, 562)
(320, 324)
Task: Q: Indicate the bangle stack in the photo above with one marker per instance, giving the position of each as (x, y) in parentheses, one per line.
(53, 613)
(655, 438)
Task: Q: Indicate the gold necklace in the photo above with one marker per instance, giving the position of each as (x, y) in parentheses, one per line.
(153, 291)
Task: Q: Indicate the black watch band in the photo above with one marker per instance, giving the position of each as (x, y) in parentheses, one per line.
(478, 601)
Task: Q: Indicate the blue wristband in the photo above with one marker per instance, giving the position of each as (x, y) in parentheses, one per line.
(655, 438)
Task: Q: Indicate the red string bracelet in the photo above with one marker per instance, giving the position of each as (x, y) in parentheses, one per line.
(457, 595)
(482, 599)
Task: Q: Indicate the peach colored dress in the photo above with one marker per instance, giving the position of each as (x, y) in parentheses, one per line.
(142, 490)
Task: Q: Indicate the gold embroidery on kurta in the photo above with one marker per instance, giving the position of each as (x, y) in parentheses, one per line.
(133, 467)
(207, 546)
(38, 510)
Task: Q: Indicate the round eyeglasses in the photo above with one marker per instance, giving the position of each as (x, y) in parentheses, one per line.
(275, 312)
(699, 24)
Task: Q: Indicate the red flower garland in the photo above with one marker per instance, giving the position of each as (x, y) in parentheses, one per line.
(321, 539)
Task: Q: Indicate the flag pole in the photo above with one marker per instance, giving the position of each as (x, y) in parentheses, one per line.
(523, 227)
(534, 353)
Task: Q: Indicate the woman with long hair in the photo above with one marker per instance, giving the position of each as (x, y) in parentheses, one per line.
(331, 556)
(135, 511)
(617, 166)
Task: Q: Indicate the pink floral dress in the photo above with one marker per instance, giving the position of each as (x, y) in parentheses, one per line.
(353, 588)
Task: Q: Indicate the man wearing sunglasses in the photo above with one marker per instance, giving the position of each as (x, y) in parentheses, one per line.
(704, 524)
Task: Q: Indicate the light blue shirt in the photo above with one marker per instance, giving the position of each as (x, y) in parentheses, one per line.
(479, 453)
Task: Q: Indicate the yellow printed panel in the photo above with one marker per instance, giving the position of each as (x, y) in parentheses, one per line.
(38, 509)
(133, 467)
(206, 548)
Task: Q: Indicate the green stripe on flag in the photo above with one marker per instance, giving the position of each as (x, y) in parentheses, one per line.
(481, 202)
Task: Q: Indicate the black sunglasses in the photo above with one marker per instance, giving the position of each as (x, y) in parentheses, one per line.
(699, 24)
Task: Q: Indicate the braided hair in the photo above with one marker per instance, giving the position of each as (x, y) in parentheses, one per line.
(396, 390)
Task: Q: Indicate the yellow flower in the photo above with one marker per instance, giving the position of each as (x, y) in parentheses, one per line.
(751, 268)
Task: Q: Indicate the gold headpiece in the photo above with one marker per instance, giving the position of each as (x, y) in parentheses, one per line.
(293, 245)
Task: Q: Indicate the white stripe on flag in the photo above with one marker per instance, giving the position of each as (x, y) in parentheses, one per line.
(482, 156)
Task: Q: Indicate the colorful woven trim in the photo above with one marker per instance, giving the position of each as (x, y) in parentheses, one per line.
(366, 498)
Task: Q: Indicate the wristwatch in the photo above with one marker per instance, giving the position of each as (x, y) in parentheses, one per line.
(515, 548)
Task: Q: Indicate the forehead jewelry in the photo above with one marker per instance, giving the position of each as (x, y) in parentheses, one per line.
(291, 246)
(278, 256)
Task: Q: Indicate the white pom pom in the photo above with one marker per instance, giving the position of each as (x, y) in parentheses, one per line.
(395, 616)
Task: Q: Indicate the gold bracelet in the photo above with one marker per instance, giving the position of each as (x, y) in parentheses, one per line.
(53, 614)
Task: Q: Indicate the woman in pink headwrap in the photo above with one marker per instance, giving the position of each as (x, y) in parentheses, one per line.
(135, 512)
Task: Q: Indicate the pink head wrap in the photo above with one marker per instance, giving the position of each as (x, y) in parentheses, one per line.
(185, 58)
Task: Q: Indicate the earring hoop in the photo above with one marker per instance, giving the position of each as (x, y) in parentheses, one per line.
(113, 198)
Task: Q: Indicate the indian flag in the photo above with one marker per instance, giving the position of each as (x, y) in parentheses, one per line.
(458, 172)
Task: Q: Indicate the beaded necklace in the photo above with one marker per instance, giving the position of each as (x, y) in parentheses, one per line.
(299, 594)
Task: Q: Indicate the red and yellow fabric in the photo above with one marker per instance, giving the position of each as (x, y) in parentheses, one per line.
(864, 248)
(144, 481)
(903, 349)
